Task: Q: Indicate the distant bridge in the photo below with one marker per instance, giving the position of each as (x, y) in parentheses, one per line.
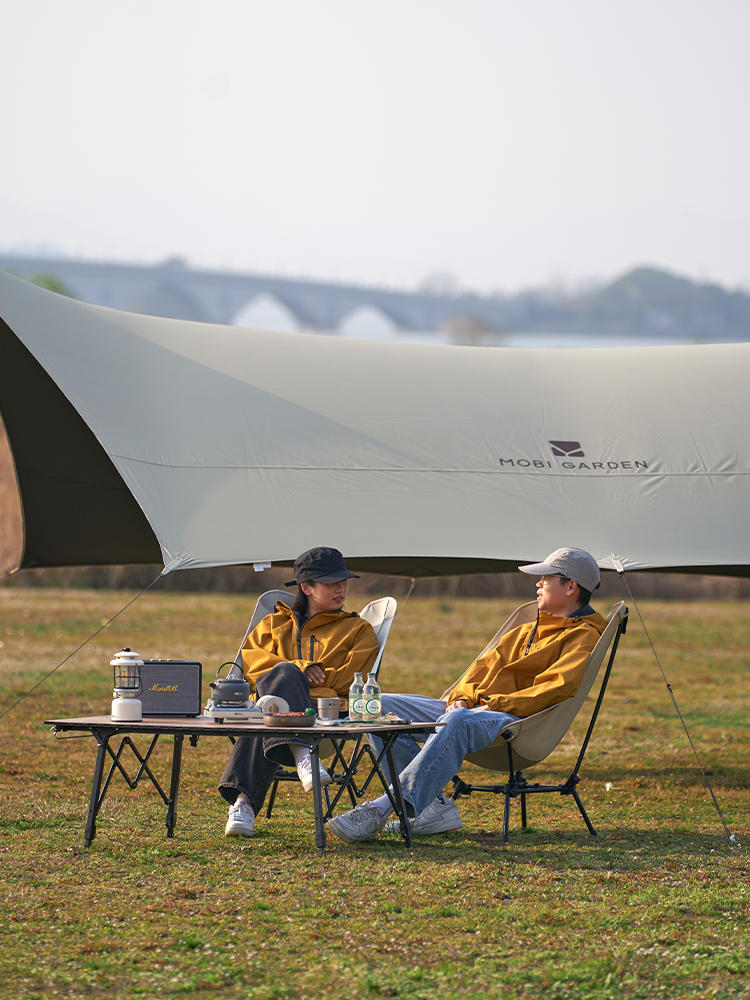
(173, 289)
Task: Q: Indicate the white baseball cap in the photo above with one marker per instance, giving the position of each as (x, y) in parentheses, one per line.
(576, 564)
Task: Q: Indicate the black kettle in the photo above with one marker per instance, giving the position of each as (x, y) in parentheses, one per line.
(229, 691)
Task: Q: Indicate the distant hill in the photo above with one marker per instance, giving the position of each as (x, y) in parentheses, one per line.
(644, 301)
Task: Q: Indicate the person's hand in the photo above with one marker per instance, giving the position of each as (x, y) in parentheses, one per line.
(315, 674)
(457, 704)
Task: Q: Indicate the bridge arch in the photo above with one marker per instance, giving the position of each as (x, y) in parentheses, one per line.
(367, 322)
(266, 312)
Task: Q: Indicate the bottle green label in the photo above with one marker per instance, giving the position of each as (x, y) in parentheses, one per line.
(372, 708)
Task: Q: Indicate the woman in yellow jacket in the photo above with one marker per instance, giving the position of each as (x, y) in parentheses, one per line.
(310, 650)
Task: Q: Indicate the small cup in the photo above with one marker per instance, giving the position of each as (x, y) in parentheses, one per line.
(328, 708)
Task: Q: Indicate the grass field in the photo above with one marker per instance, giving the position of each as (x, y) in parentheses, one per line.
(657, 908)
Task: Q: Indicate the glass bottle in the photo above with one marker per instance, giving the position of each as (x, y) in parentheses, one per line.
(373, 708)
(356, 702)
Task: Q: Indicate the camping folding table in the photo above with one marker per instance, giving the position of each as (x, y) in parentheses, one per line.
(106, 730)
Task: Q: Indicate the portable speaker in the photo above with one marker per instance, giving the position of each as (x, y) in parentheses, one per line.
(171, 687)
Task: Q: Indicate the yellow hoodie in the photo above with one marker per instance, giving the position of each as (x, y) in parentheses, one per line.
(523, 678)
(340, 641)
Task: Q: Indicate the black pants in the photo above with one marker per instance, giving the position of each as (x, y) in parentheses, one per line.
(253, 761)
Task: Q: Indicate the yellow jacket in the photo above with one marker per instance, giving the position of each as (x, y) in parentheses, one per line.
(341, 642)
(520, 680)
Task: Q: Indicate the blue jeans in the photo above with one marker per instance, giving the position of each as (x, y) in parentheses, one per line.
(465, 731)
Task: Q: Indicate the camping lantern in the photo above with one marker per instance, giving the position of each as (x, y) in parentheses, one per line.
(126, 705)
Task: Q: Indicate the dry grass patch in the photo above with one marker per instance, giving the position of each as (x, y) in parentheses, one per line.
(656, 908)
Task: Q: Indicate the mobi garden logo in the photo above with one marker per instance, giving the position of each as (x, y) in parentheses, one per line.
(570, 455)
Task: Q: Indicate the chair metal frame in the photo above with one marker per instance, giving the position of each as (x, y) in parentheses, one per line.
(517, 785)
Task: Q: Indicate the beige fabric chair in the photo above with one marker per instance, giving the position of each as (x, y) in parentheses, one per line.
(264, 606)
(380, 613)
(529, 741)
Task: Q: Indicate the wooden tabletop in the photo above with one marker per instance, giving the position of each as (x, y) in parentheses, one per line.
(202, 726)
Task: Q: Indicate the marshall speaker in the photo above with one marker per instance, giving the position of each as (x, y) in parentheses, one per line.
(171, 687)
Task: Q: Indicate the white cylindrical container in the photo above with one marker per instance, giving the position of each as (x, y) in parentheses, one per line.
(126, 709)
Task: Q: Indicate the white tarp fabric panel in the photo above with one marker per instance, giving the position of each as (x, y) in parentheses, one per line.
(242, 446)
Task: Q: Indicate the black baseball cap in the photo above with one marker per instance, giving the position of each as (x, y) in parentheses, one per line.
(320, 565)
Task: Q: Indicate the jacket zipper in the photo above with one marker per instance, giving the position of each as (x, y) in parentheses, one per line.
(532, 635)
(313, 640)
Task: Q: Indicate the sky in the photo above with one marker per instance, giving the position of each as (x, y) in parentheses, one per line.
(489, 145)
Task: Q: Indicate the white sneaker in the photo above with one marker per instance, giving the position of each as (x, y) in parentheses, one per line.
(241, 822)
(304, 771)
(440, 816)
(363, 822)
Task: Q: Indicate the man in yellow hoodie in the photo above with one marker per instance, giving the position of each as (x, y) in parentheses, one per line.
(532, 667)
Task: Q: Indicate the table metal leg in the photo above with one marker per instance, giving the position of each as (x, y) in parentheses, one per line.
(94, 801)
(397, 794)
(174, 785)
(320, 830)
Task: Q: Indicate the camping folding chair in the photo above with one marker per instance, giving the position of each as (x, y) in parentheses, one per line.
(529, 741)
(379, 613)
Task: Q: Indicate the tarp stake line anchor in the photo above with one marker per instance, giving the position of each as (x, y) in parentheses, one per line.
(730, 836)
(101, 628)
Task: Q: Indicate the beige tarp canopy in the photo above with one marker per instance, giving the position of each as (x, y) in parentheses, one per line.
(137, 438)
